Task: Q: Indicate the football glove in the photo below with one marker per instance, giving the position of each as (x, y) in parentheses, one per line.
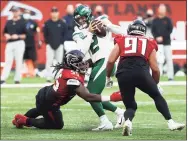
(109, 82)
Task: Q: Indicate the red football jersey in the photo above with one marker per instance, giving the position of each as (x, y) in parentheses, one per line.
(136, 46)
(66, 77)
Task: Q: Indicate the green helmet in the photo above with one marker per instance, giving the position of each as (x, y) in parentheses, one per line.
(82, 16)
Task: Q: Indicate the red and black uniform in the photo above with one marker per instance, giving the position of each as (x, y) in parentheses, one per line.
(134, 51)
(133, 72)
(50, 98)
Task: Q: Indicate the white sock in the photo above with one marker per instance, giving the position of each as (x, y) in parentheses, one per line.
(103, 118)
(170, 121)
(119, 111)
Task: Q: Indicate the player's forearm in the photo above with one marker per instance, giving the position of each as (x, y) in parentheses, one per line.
(95, 98)
(109, 68)
(89, 61)
(99, 98)
(7, 36)
(38, 34)
(115, 29)
(22, 36)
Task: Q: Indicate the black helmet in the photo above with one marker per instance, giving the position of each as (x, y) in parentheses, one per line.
(138, 27)
(74, 61)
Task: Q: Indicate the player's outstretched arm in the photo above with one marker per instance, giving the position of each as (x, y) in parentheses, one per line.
(112, 59)
(83, 92)
(116, 29)
(154, 66)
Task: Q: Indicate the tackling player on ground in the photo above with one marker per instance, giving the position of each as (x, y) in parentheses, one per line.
(69, 82)
(99, 50)
(138, 54)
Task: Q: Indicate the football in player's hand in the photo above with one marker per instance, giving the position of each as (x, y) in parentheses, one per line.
(99, 28)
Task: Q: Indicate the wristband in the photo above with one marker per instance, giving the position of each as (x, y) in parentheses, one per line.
(105, 98)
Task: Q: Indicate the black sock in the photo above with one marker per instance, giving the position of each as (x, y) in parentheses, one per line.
(129, 114)
(32, 113)
(162, 107)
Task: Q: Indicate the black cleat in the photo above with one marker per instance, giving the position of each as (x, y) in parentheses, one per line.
(2, 82)
(170, 79)
(17, 82)
(48, 81)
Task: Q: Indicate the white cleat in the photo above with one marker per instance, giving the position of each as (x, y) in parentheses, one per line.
(127, 128)
(175, 126)
(105, 126)
(120, 121)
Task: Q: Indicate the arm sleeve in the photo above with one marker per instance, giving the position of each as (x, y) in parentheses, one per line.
(36, 25)
(5, 29)
(112, 27)
(83, 42)
(45, 33)
(154, 30)
(24, 28)
(65, 30)
(115, 29)
(170, 26)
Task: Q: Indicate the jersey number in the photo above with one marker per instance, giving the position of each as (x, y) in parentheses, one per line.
(132, 44)
(94, 46)
(56, 85)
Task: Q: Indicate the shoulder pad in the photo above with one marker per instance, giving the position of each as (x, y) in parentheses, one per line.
(78, 35)
(73, 82)
(118, 38)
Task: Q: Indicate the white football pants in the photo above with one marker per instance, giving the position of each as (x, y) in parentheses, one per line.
(52, 54)
(165, 53)
(14, 50)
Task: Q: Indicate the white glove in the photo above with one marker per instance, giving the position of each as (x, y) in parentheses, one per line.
(109, 82)
(160, 89)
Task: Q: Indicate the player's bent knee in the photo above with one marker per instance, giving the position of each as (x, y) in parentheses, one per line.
(59, 126)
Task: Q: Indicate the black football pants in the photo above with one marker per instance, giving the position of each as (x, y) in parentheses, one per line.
(129, 80)
(52, 119)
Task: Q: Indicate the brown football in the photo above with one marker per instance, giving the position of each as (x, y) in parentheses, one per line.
(100, 30)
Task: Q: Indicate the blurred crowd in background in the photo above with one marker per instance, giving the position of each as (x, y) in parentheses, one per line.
(59, 29)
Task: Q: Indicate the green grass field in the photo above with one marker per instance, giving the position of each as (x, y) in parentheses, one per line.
(79, 118)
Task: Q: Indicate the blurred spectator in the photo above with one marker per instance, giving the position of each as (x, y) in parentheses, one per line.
(78, 4)
(161, 30)
(148, 19)
(139, 16)
(15, 33)
(30, 55)
(98, 11)
(69, 20)
(55, 31)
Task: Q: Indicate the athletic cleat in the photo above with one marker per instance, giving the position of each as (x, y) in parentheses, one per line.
(105, 126)
(17, 82)
(16, 124)
(120, 121)
(127, 128)
(3, 82)
(21, 119)
(175, 126)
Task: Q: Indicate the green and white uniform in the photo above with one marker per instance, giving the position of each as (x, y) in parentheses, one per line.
(99, 50)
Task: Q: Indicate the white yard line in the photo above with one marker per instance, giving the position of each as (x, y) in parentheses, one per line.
(39, 85)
